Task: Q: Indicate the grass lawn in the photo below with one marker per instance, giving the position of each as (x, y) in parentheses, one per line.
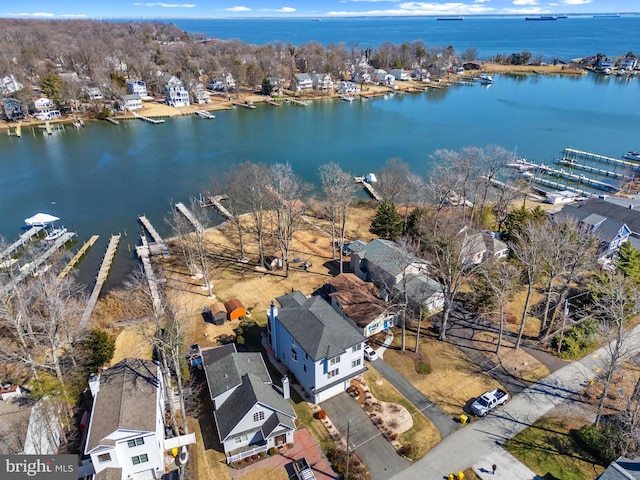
(454, 378)
(548, 449)
(423, 435)
(315, 426)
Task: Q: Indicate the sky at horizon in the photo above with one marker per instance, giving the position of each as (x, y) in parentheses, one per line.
(45, 9)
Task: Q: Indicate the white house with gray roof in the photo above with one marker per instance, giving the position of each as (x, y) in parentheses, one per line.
(250, 414)
(126, 436)
(319, 347)
(389, 267)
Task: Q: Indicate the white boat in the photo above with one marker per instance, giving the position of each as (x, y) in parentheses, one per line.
(55, 234)
(348, 98)
(632, 156)
(486, 79)
(205, 114)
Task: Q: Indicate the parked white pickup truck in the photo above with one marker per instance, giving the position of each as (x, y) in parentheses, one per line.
(488, 401)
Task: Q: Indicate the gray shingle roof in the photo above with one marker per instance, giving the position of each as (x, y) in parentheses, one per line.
(226, 372)
(126, 400)
(317, 327)
(606, 228)
(622, 469)
(387, 255)
(252, 390)
(614, 211)
(419, 288)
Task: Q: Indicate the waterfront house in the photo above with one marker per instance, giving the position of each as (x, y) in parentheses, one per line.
(359, 302)
(12, 110)
(229, 81)
(137, 87)
(272, 85)
(610, 232)
(347, 87)
(250, 414)
(628, 63)
(604, 63)
(389, 267)
(361, 77)
(420, 75)
(131, 102)
(176, 95)
(322, 81)
(321, 349)
(382, 77)
(200, 94)
(216, 84)
(126, 435)
(301, 82)
(400, 74)
(45, 109)
(9, 85)
(93, 93)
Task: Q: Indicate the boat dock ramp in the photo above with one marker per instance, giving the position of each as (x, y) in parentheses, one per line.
(369, 188)
(21, 242)
(215, 202)
(76, 258)
(103, 274)
(31, 267)
(158, 246)
(17, 132)
(247, 104)
(189, 216)
(147, 119)
(144, 253)
(112, 121)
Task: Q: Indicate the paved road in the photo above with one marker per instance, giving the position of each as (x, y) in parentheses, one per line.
(440, 419)
(477, 442)
(375, 451)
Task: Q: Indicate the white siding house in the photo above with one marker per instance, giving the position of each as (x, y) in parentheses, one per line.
(301, 82)
(176, 95)
(131, 102)
(137, 86)
(126, 431)
(319, 347)
(322, 81)
(251, 416)
(45, 109)
(9, 85)
(400, 74)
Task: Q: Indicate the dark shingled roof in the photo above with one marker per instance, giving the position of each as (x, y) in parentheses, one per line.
(316, 326)
(613, 211)
(126, 400)
(226, 372)
(252, 390)
(605, 230)
(387, 255)
(622, 469)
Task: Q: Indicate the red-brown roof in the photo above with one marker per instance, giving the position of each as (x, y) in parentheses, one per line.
(358, 299)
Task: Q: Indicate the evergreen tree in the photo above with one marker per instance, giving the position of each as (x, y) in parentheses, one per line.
(387, 223)
(98, 347)
(51, 85)
(627, 260)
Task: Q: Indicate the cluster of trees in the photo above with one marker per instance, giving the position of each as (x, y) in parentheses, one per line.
(105, 54)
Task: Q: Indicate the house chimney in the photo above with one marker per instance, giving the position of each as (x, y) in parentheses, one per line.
(631, 206)
(273, 311)
(384, 295)
(286, 388)
(94, 384)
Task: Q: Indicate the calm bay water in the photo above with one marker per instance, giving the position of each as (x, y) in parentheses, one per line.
(576, 36)
(100, 178)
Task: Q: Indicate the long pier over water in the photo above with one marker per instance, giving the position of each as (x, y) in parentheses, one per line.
(76, 258)
(103, 274)
(143, 253)
(21, 242)
(189, 216)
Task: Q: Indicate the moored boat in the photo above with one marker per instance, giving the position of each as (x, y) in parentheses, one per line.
(348, 98)
(486, 79)
(205, 114)
(542, 17)
(632, 155)
(55, 234)
(453, 17)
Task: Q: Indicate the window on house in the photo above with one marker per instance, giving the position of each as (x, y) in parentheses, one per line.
(304, 367)
(140, 459)
(240, 439)
(293, 342)
(258, 416)
(294, 355)
(104, 457)
(356, 363)
(135, 442)
(356, 348)
(333, 373)
(334, 360)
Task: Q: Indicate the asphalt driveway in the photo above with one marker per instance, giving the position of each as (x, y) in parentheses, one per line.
(365, 439)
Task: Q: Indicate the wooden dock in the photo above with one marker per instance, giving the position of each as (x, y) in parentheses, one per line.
(17, 132)
(31, 267)
(147, 119)
(144, 253)
(76, 258)
(369, 189)
(273, 103)
(248, 105)
(189, 216)
(112, 121)
(560, 186)
(21, 242)
(214, 201)
(103, 274)
(555, 172)
(47, 127)
(597, 171)
(295, 101)
(159, 246)
(572, 155)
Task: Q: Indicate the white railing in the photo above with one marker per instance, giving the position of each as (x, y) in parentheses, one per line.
(248, 453)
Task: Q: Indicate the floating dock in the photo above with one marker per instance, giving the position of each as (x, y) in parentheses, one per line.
(21, 242)
(560, 186)
(597, 171)
(554, 172)
(103, 274)
(574, 156)
(295, 101)
(76, 258)
(248, 105)
(158, 246)
(143, 253)
(17, 132)
(189, 216)
(31, 267)
(113, 121)
(369, 189)
(147, 119)
(47, 127)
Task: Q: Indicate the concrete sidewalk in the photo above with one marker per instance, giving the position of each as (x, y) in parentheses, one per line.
(508, 467)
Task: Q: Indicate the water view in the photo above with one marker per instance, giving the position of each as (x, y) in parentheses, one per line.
(100, 178)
